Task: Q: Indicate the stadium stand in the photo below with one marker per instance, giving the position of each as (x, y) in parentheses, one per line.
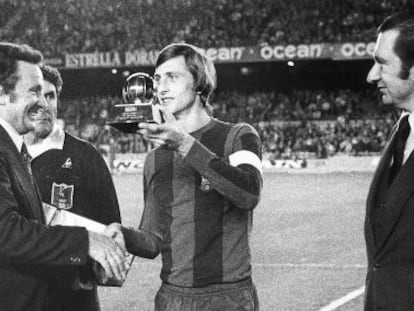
(310, 122)
(72, 26)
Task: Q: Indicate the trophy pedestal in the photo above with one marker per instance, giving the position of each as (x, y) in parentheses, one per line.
(128, 117)
(129, 127)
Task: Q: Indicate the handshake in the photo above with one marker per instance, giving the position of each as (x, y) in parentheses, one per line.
(108, 250)
(106, 244)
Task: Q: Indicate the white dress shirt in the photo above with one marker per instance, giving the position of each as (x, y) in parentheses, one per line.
(409, 145)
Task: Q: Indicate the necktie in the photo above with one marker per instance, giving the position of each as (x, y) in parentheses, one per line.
(401, 138)
(26, 158)
(26, 161)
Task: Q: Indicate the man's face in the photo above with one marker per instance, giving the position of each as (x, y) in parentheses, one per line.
(175, 86)
(44, 126)
(385, 73)
(25, 105)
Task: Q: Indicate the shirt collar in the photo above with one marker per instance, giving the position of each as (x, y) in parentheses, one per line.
(54, 140)
(411, 120)
(14, 135)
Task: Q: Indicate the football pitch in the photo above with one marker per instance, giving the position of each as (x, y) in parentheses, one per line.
(308, 250)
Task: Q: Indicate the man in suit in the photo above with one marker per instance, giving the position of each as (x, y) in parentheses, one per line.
(30, 251)
(389, 222)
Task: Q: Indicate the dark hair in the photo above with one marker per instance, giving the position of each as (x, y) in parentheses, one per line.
(52, 75)
(10, 53)
(404, 44)
(200, 66)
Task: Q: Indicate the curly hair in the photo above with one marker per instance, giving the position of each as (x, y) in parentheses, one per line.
(52, 75)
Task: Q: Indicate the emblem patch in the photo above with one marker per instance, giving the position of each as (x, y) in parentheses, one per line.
(68, 163)
(205, 184)
(62, 195)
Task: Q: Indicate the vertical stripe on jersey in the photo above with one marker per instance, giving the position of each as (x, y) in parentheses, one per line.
(236, 263)
(163, 168)
(208, 218)
(182, 228)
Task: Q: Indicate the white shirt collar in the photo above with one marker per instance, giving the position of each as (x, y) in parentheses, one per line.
(411, 121)
(409, 144)
(14, 135)
(54, 140)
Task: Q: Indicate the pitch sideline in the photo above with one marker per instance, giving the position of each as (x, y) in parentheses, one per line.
(284, 265)
(343, 300)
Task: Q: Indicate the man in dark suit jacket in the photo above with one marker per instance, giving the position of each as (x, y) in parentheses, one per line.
(29, 250)
(389, 222)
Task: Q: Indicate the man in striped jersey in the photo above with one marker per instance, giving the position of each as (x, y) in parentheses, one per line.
(200, 188)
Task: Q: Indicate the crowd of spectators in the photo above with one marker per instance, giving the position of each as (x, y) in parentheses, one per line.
(75, 26)
(314, 123)
(306, 139)
(297, 104)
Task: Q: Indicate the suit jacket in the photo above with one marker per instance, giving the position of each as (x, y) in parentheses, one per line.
(389, 235)
(29, 250)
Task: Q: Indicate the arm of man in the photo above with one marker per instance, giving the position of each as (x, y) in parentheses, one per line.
(137, 242)
(27, 241)
(238, 177)
(146, 241)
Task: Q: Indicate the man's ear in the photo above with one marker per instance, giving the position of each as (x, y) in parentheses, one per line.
(4, 98)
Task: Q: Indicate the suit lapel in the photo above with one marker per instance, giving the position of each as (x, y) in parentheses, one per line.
(382, 169)
(22, 175)
(380, 176)
(398, 193)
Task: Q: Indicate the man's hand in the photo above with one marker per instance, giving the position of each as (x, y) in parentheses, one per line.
(108, 254)
(169, 134)
(114, 231)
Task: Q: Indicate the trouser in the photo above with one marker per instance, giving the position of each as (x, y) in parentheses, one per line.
(240, 296)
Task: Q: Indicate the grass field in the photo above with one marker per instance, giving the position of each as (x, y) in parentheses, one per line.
(307, 243)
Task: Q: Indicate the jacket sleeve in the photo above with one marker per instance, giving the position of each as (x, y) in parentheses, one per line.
(141, 243)
(238, 176)
(26, 240)
(147, 240)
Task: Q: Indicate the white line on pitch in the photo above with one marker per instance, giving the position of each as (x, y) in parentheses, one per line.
(283, 265)
(343, 300)
(308, 265)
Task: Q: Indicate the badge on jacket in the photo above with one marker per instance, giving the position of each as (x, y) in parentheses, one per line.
(205, 185)
(67, 164)
(62, 195)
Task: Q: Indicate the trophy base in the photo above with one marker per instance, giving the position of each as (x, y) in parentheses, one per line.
(129, 127)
